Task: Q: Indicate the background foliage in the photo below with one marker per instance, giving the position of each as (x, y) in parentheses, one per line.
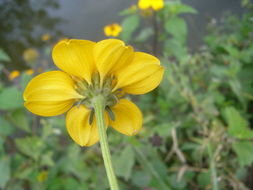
(197, 131)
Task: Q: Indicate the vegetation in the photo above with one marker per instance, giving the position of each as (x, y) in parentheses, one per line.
(197, 131)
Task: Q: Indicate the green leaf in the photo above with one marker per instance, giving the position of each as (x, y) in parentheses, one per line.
(144, 34)
(175, 183)
(124, 163)
(4, 56)
(204, 179)
(157, 175)
(24, 80)
(71, 183)
(232, 51)
(182, 8)
(5, 171)
(10, 98)
(25, 173)
(179, 8)
(141, 179)
(129, 25)
(244, 3)
(237, 125)
(5, 128)
(20, 120)
(236, 87)
(128, 11)
(175, 48)
(57, 184)
(176, 27)
(47, 159)
(30, 146)
(244, 151)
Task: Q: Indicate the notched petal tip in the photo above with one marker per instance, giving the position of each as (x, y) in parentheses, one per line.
(128, 118)
(75, 57)
(111, 55)
(79, 128)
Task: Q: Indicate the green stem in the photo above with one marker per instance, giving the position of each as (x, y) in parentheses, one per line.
(99, 107)
(212, 168)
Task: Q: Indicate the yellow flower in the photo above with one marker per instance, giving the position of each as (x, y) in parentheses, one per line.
(30, 55)
(108, 68)
(112, 30)
(14, 74)
(154, 4)
(29, 72)
(45, 37)
(43, 175)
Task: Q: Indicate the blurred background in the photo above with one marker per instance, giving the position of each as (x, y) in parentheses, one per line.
(197, 132)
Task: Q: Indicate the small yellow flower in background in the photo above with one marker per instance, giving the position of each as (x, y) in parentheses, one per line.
(45, 37)
(42, 176)
(107, 68)
(112, 30)
(29, 72)
(154, 4)
(30, 55)
(14, 74)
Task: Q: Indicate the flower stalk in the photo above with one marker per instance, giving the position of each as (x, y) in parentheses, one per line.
(99, 107)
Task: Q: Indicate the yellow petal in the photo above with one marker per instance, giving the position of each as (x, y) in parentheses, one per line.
(48, 109)
(77, 122)
(111, 55)
(157, 4)
(144, 4)
(128, 118)
(51, 93)
(75, 57)
(141, 76)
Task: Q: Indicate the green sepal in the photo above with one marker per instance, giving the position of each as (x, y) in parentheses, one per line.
(91, 117)
(110, 112)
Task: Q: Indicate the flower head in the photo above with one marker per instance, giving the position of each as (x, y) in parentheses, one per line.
(154, 4)
(43, 175)
(112, 30)
(107, 68)
(30, 55)
(14, 74)
(29, 72)
(45, 37)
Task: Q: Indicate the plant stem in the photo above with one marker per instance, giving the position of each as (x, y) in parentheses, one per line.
(99, 107)
(212, 168)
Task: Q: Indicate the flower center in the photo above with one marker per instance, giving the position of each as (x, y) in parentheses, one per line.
(98, 88)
